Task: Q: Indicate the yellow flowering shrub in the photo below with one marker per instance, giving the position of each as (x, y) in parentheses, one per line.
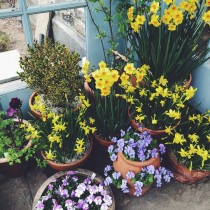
(190, 141)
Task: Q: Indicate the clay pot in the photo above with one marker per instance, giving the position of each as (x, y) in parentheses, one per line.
(103, 142)
(35, 113)
(97, 178)
(17, 169)
(183, 174)
(69, 166)
(123, 165)
(187, 84)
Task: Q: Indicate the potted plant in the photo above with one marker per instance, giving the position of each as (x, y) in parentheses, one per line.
(189, 147)
(16, 146)
(63, 138)
(107, 107)
(165, 35)
(53, 71)
(156, 107)
(80, 189)
(136, 163)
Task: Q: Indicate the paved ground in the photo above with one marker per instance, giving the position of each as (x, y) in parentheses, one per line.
(18, 193)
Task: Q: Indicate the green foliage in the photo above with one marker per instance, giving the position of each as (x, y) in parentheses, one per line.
(173, 54)
(53, 70)
(4, 41)
(12, 140)
(110, 113)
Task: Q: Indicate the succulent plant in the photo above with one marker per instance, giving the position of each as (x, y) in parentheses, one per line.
(53, 70)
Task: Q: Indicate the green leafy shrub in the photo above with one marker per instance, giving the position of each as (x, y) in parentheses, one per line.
(4, 41)
(53, 70)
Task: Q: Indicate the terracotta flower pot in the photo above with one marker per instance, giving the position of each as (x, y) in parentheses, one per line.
(183, 174)
(102, 142)
(69, 166)
(123, 165)
(17, 169)
(35, 113)
(98, 179)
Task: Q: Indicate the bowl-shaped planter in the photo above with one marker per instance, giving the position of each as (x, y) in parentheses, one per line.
(68, 166)
(71, 181)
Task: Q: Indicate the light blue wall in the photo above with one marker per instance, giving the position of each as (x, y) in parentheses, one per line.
(201, 80)
(94, 47)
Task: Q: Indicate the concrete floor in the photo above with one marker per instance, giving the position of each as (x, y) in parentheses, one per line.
(18, 193)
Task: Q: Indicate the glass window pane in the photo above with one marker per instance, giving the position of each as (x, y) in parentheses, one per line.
(12, 46)
(42, 2)
(66, 27)
(6, 4)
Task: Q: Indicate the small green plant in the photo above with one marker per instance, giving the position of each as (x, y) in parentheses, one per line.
(53, 70)
(4, 41)
(13, 138)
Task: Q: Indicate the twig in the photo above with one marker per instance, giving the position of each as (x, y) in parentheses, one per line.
(120, 56)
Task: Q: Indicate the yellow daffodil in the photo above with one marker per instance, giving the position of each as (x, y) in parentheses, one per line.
(192, 149)
(168, 1)
(92, 121)
(190, 92)
(162, 102)
(79, 148)
(193, 138)
(183, 153)
(154, 7)
(139, 118)
(206, 17)
(140, 19)
(173, 114)
(163, 81)
(143, 92)
(59, 127)
(154, 121)
(50, 155)
(168, 130)
(179, 139)
(129, 68)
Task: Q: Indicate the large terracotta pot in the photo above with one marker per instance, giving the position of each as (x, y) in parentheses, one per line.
(98, 179)
(124, 165)
(69, 166)
(35, 113)
(183, 174)
(17, 169)
(102, 142)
